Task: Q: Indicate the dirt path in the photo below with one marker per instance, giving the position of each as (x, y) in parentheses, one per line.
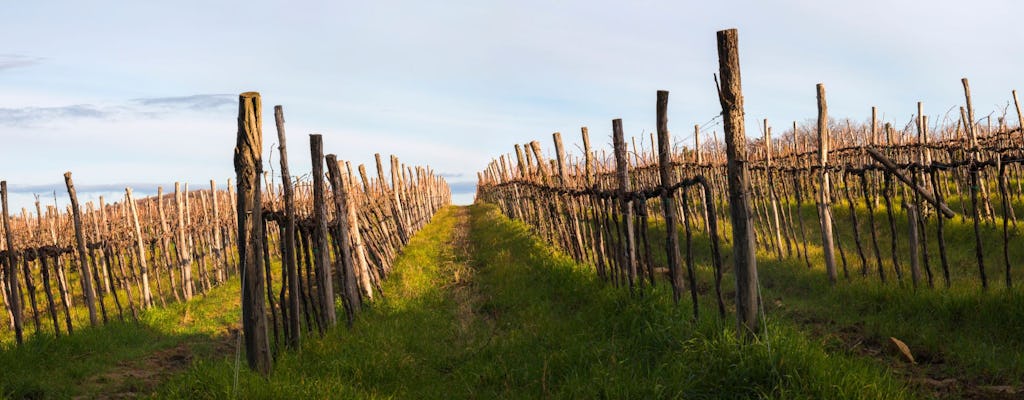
(460, 264)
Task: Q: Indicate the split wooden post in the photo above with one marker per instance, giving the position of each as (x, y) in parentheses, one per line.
(86, 274)
(248, 169)
(668, 201)
(292, 330)
(824, 202)
(350, 292)
(628, 251)
(744, 249)
(14, 299)
(321, 255)
(140, 248)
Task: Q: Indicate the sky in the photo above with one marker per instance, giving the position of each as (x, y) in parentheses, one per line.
(145, 93)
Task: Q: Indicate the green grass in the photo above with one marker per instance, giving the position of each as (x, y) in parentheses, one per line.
(93, 360)
(479, 307)
(514, 318)
(963, 332)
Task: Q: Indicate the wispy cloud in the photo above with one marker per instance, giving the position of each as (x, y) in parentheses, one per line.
(193, 102)
(31, 115)
(11, 61)
(149, 107)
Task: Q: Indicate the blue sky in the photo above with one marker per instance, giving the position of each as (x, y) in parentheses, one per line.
(145, 93)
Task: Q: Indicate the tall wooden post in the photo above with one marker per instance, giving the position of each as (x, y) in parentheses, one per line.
(744, 249)
(1020, 117)
(292, 330)
(248, 169)
(628, 251)
(350, 292)
(321, 257)
(147, 296)
(668, 201)
(776, 225)
(824, 202)
(181, 245)
(14, 299)
(87, 280)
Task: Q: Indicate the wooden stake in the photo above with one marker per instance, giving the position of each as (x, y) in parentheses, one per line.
(668, 205)
(87, 279)
(321, 251)
(744, 247)
(824, 202)
(14, 300)
(628, 251)
(293, 331)
(147, 296)
(248, 169)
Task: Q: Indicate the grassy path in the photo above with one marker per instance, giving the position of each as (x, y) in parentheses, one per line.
(479, 308)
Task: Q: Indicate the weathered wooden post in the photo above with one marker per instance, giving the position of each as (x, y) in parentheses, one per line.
(825, 202)
(915, 263)
(219, 260)
(14, 299)
(628, 250)
(668, 201)
(147, 296)
(321, 256)
(744, 249)
(248, 169)
(1020, 117)
(774, 203)
(87, 280)
(350, 292)
(181, 245)
(293, 331)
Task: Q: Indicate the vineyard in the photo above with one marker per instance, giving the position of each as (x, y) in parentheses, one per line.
(859, 259)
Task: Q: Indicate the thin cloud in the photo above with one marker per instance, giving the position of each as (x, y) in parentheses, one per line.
(30, 115)
(11, 61)
(151, 107)
(194, 102)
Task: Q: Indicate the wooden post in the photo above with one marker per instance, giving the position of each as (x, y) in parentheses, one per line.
(164, 246)
(248, 169)
(14, 299)
(350, 293)
(1020, 117)
(87, 281)
(293, 331)
(915, 264)
(321, 256)
(744, 249)
(774, 203)
(147, 296)
(628, 251)
(184, 254)
(668, 202)
(219, 258)
(824, 202)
